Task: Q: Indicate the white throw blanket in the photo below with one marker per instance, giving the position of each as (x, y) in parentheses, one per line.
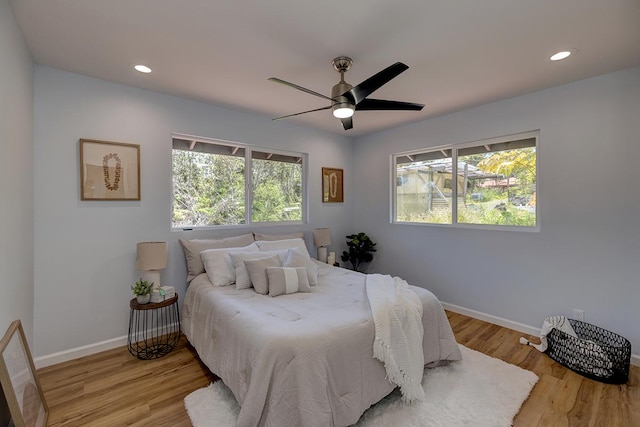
(557, 322)
(397, 316)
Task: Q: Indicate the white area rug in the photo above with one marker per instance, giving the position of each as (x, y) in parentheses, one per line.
(479, 391)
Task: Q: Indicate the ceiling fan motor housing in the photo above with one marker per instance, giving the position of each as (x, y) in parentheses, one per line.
(341, 102)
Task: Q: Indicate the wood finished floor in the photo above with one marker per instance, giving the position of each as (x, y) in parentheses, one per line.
(114, 389)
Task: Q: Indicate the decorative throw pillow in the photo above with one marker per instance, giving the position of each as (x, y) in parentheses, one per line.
(296, 235)
(243, 280)
(192, 249)
(218, 264)
(287, 280)
(257, 270)
(297, 258)
(279, 245)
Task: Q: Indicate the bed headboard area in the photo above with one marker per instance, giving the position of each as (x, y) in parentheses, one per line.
(192, 248)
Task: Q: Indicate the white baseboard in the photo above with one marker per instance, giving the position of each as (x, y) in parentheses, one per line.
(74, 353)
(521, 327)
(86, 350)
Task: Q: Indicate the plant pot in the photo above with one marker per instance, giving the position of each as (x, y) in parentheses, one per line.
(143, 299)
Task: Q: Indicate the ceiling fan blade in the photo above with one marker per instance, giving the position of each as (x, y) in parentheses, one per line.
(295, 86)
(347, 123)
(303, 112)
(373, 83)
(369, 104)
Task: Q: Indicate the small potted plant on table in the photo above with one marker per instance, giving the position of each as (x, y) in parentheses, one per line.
(360, 248)
(142, 291)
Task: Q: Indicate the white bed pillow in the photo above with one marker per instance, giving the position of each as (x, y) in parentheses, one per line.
(218, 265)
(297, 258)
(242, 277)
(279, 245)
(285, 236)
(287, 280)
(257, 270)
(192, 249)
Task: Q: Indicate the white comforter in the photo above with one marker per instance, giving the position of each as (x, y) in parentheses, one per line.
(303, 359)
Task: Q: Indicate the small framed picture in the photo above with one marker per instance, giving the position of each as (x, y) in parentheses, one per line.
(109, 170)
(22, 394)
(332, 185)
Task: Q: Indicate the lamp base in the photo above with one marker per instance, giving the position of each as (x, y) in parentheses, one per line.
(152, 276)
(322, 254)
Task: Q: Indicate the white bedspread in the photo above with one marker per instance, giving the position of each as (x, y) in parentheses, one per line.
(397, 317)
(303, 359)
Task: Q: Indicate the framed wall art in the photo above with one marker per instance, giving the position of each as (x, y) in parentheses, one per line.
(332, 185)
(21, 390)
(109, 170)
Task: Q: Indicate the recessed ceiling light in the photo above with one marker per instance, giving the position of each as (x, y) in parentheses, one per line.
(562, 54)
(142, 68)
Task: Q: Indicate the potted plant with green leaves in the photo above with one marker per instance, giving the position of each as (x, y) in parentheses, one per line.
(142, 291)
(360, 250)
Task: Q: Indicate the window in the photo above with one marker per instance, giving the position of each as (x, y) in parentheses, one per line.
(214, 182)
(495, 184)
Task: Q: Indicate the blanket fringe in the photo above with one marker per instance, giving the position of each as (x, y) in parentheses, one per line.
(410, 390)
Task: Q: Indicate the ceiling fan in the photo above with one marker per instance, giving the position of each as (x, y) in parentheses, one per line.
(346, 99)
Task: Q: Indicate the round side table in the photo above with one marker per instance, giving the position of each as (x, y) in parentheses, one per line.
(154, 328)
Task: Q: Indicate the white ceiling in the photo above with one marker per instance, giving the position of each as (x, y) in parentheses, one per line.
(461, 53)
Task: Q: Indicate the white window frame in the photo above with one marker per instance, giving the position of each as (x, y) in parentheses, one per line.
(454, 188)
(249, 148)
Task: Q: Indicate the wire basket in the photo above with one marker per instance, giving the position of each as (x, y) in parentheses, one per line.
(596, 353)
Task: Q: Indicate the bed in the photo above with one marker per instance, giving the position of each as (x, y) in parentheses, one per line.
(301, 359)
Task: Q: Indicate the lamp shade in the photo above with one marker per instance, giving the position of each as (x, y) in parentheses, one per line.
(321, 237)
(151, 256)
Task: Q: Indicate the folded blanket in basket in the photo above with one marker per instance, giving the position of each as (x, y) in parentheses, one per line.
(599, 361)
(557, 322)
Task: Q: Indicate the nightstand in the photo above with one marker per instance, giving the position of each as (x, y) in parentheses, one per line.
(154, 328)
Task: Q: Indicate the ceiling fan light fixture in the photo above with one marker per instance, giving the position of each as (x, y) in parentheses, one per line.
(343, 111)
(342, 108)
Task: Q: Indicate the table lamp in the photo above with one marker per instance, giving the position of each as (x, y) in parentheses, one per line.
(151, 257)
(322, 239)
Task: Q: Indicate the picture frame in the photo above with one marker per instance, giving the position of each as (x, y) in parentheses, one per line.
(21, 390)
(332, 185)
(109, 170)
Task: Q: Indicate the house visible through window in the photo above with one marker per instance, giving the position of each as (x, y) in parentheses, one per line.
(495, 183)
(215, 181)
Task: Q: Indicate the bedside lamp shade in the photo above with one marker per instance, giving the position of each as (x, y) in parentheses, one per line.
(151, 257)
(322, 239)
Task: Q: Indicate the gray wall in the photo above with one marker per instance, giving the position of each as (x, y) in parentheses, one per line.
(16, 175)
(587, 253)
(85, 251)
